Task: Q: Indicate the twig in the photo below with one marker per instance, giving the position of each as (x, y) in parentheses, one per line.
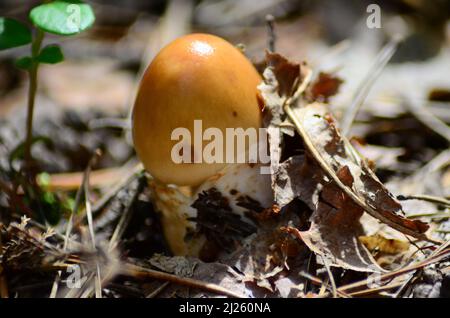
(158, 290)
(73, 180)
(376, 289)
(142, 272)
(364, 88)
(435, 257)
(272, 37)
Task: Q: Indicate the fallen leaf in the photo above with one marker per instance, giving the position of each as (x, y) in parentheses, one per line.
(331, 178)
(281, 80)
(324, 87)
(384, 245)
(366, 190)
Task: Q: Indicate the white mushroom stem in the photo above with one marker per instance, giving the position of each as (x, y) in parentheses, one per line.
(174, 203)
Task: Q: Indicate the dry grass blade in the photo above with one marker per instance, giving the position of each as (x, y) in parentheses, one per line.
(78, 197)
(86, 189)
(126, 216)
(376, 290)
(329, 171)
(435, 257)
(133, 169)
(428, 198)
(426, 117)
(142, 272)
(98, 281)
(158, 290)
(363, 90)
(441, 161)
(330, 276)
(317, 281)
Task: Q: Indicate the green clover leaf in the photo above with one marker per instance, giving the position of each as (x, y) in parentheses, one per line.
(13, 34)
(51, 54)
(67, 17)
(24, 63)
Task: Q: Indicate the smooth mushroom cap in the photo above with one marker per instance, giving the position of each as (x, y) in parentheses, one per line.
(196, 77)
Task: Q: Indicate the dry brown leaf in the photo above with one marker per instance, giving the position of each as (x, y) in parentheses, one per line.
(325, 86)
(321, 129)
(384, 245)
(331, 178)
(281, 80)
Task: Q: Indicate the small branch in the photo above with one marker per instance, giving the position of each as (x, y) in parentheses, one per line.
(272, 37)
(376, 289)
(435, 257)
(158, 290)
(142, 272)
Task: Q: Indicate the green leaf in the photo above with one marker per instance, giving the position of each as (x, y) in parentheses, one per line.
(24, 63)
(63, 17)
(13, 34)
(43, 179)
(51, 54)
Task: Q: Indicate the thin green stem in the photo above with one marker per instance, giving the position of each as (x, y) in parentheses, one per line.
(33, 72)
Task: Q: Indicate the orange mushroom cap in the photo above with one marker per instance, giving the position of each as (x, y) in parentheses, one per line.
(196, 77)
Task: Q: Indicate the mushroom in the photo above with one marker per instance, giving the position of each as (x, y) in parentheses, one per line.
(196, 77)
